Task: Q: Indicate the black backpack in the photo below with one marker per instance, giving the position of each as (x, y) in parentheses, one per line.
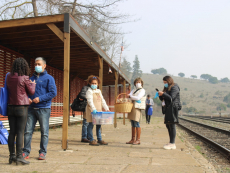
(79, 105)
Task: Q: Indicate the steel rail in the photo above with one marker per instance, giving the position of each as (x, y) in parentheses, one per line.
(223, 150)
(215, 119)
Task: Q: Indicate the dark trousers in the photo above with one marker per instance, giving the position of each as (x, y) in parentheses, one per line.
(17, 116)
(148, 117)
(172, 132)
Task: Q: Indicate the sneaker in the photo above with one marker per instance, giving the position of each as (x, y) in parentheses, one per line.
(170, 147)
(93, 143)
(42, 157)
(102, 142)
(25, 156)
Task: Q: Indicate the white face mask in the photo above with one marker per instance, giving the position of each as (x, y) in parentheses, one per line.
(138, 85)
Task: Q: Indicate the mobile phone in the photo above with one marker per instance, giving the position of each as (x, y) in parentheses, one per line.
(157, 90)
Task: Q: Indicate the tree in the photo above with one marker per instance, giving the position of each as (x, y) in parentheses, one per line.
(193, 76)
(205, 76)
(221, 107)
(161, 71)
(101, 19)
(181, 74)
(213, 80)
(126, 67)
(136, 69)
(191, 109)
(225, 80)
(227, 98)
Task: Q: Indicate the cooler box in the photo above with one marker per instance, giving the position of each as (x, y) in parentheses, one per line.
(102, 118)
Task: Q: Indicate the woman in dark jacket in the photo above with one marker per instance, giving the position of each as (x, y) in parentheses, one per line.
(171, 92)
(19, 87)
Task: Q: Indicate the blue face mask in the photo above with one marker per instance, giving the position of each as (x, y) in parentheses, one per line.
(94, 87)
(38, 69)
(166, 85)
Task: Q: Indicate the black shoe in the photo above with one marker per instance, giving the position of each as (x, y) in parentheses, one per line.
(20, 159)
(12, 159)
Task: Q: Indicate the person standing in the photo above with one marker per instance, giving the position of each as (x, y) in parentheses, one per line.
(138, 103)
(85, 124)
(149, 108)
(171, 94)
(19, 87)
(95, 101)
(40, 108)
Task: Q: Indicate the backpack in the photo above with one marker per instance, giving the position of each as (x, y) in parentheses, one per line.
(79, 105)
(3, 134)
(4, 99)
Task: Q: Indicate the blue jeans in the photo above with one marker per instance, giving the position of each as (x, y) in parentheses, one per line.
(85, 129)
(98, 131)
(135, 123)
(41, 115)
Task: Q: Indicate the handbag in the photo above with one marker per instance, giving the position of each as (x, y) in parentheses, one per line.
(171, 114)
(4, 98)
(141, 105)
(3, 134)
(150, 111)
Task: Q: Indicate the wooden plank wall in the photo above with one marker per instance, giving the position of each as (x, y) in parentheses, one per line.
(7, 56)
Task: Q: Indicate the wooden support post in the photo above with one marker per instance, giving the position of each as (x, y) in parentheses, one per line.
(100, 61)
(66, 90)
(115, 95)
(124, 91)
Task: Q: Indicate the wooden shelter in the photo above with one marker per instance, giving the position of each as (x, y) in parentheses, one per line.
(67, 47)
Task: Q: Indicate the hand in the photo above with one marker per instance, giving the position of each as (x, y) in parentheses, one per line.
(128, 95)
(30, 101)
(32, 81)
(160, 93)
(108, 111)
(80, 99)
(36, 100)
(138, 101)
(94, 111)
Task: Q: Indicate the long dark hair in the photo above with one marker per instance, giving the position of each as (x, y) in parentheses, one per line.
(170, 82)
(21, 67)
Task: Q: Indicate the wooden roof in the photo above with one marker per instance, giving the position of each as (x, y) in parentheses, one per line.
(33, 38)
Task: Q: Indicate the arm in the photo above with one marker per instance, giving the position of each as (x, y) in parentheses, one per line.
(105, 106)
(140, 95)
(174, 92)
(30, 87)
(52, 91)
(89, 97)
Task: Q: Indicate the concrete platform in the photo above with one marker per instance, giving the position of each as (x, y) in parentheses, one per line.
(114, 158)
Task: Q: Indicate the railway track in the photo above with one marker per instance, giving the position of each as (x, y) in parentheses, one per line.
(216, 137)
(209, 118)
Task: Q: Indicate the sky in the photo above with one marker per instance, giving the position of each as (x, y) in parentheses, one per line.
(189, 36)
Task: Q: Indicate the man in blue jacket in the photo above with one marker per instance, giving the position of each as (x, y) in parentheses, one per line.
(40, 108)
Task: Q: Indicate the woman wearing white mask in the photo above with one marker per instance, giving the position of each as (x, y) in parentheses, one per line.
(138, 97)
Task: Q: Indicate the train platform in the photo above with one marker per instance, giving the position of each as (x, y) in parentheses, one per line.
(117, 157)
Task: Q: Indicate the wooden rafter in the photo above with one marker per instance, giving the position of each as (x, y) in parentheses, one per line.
(56, 30)
(32, 21)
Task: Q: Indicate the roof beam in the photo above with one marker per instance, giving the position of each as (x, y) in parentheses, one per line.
(32, 21)
(56, 31)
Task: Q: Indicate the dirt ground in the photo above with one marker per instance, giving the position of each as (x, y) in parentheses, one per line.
(116, 157)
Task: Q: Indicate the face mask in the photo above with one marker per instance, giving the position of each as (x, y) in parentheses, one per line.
(94, 87)
(166, 85)
(138, 85)
(38, 69)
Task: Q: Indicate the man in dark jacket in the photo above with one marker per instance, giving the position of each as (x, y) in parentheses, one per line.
(82, 96)
(40, 108)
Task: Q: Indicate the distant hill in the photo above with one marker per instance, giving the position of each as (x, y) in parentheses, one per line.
(202, 95)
